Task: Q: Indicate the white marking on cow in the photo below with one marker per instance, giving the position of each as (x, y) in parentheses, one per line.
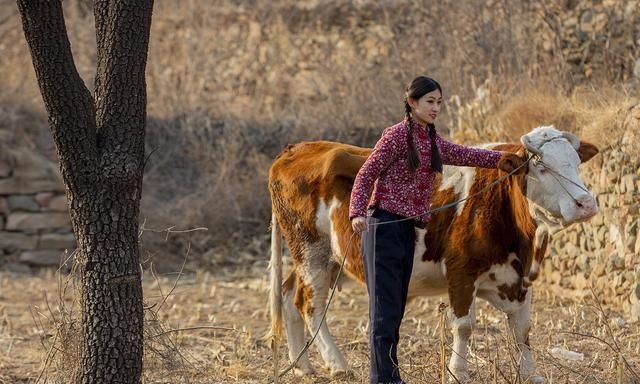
(504, 274)
(461, 179)
(323, 216)
(325, 225)
(542, 233)
(461, 328)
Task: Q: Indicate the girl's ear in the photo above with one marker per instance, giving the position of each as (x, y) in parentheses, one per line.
(412, 102)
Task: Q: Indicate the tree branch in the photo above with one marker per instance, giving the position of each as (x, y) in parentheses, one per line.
(68, 102)
(122, 30)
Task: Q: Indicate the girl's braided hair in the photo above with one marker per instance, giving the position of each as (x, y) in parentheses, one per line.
(419, 87)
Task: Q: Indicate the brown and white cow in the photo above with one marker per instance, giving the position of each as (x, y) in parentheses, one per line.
(489, 246)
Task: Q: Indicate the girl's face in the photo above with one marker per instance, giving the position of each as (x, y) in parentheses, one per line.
(426, 108)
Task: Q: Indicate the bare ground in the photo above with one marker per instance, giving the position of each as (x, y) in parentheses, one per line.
(206, 329)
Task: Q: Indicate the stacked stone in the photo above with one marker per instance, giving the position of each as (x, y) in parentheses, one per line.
(604, 253)
(590, 36)
(35, 229)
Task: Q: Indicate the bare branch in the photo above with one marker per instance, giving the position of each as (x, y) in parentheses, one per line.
(122, 58)
(195, 329)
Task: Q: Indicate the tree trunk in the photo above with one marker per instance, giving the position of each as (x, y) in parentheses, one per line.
(100, 145)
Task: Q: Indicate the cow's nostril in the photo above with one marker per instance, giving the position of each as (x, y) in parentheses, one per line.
(585, 202)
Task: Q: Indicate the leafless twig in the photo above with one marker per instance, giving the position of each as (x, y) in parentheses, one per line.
(197, 328)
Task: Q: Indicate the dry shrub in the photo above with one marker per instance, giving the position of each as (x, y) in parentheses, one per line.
(504, 112)
(62, 357)
(617, 116)
(63, 346)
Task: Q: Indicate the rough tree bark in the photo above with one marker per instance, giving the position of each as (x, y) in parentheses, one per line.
(100, 145)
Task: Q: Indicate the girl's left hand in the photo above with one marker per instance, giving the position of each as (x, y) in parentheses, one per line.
(510, 162)
(359, 224)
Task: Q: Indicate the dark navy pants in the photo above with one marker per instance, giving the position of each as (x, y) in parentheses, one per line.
(387, 251)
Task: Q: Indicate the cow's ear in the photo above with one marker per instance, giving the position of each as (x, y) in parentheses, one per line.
(587, 151)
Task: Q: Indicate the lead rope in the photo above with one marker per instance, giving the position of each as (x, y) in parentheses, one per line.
(554, 173)
(335, 283)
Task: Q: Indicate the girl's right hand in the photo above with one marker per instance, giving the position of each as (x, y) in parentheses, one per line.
(359, 224)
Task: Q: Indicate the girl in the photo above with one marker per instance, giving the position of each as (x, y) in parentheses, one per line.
(401, 172)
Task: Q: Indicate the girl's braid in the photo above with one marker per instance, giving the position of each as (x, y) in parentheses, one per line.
(412, 156)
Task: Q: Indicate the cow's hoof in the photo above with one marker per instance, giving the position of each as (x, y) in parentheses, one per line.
(304, 371)
(536, 380)
(340, 372)
(337, 366)
(459, 377)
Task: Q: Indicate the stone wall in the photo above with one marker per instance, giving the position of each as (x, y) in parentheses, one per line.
(35, 229)
(604, 253)
(584, 34)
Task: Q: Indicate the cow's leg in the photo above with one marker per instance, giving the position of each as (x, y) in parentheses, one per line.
(462, 299)
(294, 327)
(315, 290)
(519, 325)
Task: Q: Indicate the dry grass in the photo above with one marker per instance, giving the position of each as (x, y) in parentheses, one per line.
(503, 112)
(208, 331)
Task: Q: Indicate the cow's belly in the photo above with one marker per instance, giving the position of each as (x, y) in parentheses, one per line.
(428, 277)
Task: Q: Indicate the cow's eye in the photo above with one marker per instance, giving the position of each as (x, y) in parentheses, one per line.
(541, 168)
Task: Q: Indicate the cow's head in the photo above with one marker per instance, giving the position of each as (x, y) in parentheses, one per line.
(554, 187)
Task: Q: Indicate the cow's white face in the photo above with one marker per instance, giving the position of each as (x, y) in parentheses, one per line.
(554, 186)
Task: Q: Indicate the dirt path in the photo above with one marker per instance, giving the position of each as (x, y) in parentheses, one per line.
(208, 331)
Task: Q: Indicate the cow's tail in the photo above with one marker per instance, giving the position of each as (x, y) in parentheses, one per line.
(275, 290)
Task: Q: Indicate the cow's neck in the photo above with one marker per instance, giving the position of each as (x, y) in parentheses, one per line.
(526, 227)
(519, 203)
(531, 232)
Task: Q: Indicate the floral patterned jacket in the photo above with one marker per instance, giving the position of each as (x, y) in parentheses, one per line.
(395, 188)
